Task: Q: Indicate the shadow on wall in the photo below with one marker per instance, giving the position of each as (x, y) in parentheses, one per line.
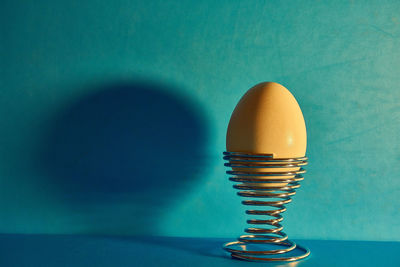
(121, 156)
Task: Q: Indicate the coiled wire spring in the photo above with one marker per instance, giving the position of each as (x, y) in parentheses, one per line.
(269, 183)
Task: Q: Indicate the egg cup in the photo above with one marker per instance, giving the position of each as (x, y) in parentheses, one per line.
(257, 178)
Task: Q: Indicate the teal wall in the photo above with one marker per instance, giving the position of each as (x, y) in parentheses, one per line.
(114, 113)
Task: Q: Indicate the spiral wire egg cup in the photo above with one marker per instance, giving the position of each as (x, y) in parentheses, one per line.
(271, 200)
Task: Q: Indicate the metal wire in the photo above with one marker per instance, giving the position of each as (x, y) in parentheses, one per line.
(270, 182)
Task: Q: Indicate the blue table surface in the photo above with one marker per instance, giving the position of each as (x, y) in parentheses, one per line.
(78, 250)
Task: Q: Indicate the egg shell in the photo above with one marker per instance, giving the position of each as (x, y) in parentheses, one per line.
(267, 120)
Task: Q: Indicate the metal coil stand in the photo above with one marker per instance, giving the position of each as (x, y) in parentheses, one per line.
(269, 183)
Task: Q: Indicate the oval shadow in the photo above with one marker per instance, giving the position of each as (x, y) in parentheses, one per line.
(121, 155)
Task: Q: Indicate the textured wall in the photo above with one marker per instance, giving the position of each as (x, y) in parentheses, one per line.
(114, 113)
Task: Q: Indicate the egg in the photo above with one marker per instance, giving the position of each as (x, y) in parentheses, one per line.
(268, 120)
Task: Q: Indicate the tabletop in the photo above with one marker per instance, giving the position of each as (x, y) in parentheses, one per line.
(82, 250)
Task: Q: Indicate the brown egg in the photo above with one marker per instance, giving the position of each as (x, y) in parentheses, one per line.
(268, 120)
